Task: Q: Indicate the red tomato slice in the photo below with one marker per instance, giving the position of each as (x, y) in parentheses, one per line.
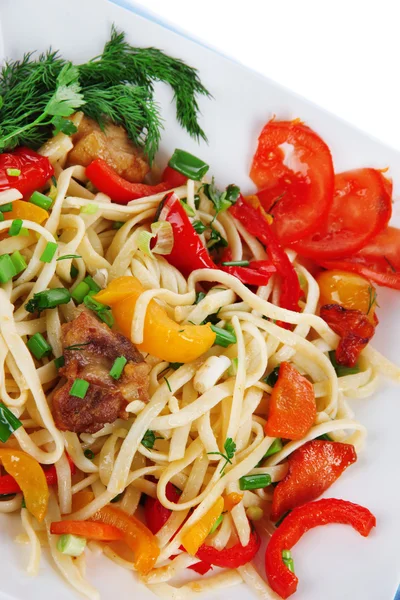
(293, 168)
(378, 262)
(361, 209)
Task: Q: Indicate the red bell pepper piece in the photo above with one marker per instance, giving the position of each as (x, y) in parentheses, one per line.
(292, 408)
(250, 213)
(121, 191)
(257, 273)
(8, 485)
(35, 169)
(174, 178)
(298, 522)
(312, 469)
(233, 557)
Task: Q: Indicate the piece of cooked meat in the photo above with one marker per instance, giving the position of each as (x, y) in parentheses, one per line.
(90, 349)
(112, 145)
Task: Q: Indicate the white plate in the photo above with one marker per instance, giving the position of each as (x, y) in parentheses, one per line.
(332, 562)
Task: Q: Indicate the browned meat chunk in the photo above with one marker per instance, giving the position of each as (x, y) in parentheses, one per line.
(90, 349)
(112, 145)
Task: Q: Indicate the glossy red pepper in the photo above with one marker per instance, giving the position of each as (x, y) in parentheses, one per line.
(8, 485)
(174, 178)
(35, 169)
(233, 557)
(250, 213)
(258, 272)
(121, 191)
(312, 469)
(298, 522)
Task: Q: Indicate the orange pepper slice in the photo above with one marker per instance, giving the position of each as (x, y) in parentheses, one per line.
(30, 477)
(28, 211)
(136, 535)
(195, 535)
(231, 500)
(163, 337)
(349, 290)
(81, 499)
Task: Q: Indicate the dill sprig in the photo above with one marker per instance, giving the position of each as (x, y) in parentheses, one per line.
(118, 85)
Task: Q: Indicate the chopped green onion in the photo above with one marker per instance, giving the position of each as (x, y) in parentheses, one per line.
(342, 371)
(144, 240)
(189, 165)
(89, 453)
(106, 316)
(6, 207)
(102, 311)
(232, 371)
(38, 346)
(324, 437)
(197, 201)
(288, 560)
(117, 498)
(67, 256)
(229, 327)
(15, 228)
(188, 209)
(286, 554)
(13, 172)
(49, 252)
(118, 367)
(175, 365)
(90, 209)
(275, 447)
(79, 388)
(41, 200)
(94, 287)
(1, 217)
(59, 362)
(199, 297)
(223, 337)
(255, 513)
(52, 193)
(48, 299)
(18, 261)
(71, 545)
(272, 378)
(236, 263)
(80, 292)
(254, 482)
(8, 423)
(302, 280)
(7, 268)
(199, 227)
(24, 231)
(118, 224)
(74, 271)
(216, 524)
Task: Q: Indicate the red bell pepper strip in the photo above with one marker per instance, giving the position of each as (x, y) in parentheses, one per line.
(87, 529)
(298, 522)
(174, 178)
(121, 191)
(250, 213)
(258, 272)
(35, 171)
(8, 485)
(312, 469)
(233, 557)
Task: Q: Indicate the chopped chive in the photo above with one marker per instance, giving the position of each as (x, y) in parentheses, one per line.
(288, 560)
(286, 554)
(41, 200)
(236, 263)
(49, 252)
(24, 231)
(118, 224)
(216, 524)
(272, 378)
(223, 337)
(342, 371)
(54, 180)
(199, 227)
(71, 545)
(1, 217)
(80, 291)
(175, 365)
(48, 299)
(254, 482)
(8, 423)
(6, 207)
(74, 271)
(67, 256)
(189, 165)
(275, 447)
(15, 228)
(18, 261)
(38, 346)
(59, 362)
(93, 286)
(168, 385)
(118, 367)
(197, 201)
(106, 316)
(90, 209)
(77, 347)
(13, 172)
(89, 454)
(23, 503)
(79, 388)
(117, 498)
(7, 268)
(199, 297)
(188, 209)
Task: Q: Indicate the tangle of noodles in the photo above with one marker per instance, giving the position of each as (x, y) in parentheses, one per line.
(202, 405)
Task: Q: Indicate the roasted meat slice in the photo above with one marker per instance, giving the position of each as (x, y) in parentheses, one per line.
(90, 349)
(112, 145)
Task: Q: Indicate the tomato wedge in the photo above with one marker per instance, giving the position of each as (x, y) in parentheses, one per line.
(361, 209)
(379, 261)
(293, 169)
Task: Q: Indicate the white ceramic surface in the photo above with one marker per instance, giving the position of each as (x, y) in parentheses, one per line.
(332, 562)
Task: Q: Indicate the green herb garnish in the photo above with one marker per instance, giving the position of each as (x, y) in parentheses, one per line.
(230, 449)
(149, 439)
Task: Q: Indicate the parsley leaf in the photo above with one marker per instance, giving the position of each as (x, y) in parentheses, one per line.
(216, 240)
(221, 200)
(230, 449)
(64, 125)
(149, 439)
(67, 96)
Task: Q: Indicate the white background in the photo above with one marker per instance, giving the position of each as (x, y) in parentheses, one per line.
(343, 55)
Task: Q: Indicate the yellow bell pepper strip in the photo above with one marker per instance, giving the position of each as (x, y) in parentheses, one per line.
(136, 535)
(195, 535)
(81, 499)
(231, 500)
(30, 477)
(28, 211)
(162, 337)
